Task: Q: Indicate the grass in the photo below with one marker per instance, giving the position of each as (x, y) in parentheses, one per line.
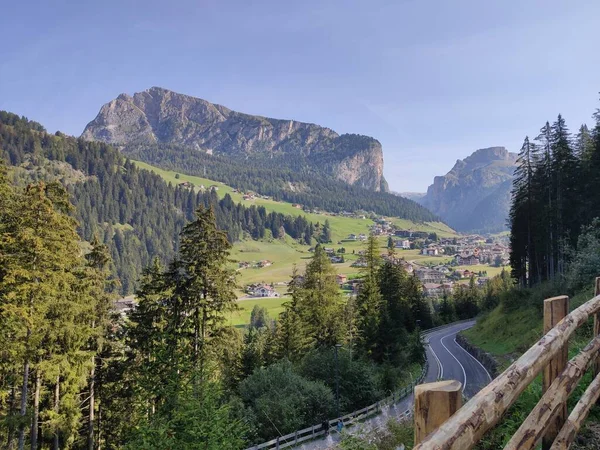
(341, 226)
(285, 253)
(242, 317)
(491, 271)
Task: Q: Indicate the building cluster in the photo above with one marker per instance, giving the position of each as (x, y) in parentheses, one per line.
(254, 264)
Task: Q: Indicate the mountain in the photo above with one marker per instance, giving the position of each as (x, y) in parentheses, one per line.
(415, 196)
(475, 194)
(158, 116)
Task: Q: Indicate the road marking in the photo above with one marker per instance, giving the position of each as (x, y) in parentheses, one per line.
(440, 367)
(476, 360)
(452, 354)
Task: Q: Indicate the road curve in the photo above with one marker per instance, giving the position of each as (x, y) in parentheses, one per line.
(449, 361)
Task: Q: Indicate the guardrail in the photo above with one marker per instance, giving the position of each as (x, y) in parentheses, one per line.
(316, 431)
(451, 427)
(350, 419)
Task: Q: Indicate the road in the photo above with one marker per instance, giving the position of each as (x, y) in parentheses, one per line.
(447, 361)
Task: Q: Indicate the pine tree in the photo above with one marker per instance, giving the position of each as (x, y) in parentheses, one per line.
(292, 340)
(565, 169)
(369, 302)
(208, 289)
(521, 215)
(396, 316)
(321, 306)
(46, 305)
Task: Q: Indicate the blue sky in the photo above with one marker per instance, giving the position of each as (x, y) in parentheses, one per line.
(432, 80)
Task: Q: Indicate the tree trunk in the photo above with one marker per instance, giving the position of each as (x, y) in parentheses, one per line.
(99, 427)
(23, 411)
(10, 441)
(56, 442)
(36, 410)
(92, 405)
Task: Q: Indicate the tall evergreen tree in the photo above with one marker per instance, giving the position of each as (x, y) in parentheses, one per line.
(369, 301)
(321, 305)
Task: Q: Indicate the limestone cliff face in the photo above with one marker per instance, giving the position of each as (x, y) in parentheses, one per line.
(160, 116)
(475, 194)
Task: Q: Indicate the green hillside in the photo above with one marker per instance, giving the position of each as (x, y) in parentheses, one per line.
(341, 226)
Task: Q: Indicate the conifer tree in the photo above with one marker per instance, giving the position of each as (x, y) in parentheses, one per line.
(321, 306)
(369, 302)
(208, 289)
(396, 316)
(293, 340)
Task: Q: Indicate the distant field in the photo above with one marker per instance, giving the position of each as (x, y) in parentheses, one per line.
(341, 226)
(284, 254)
(242, 317)
(491, 271)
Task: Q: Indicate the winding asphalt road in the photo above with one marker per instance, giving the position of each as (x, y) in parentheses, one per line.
(447, 361)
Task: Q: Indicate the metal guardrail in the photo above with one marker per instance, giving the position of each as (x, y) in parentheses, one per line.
(354, 417)
(350, 419)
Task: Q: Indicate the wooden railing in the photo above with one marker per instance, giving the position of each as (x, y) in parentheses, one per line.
(446, 425)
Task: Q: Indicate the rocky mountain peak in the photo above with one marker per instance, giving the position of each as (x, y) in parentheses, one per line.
(475, 194)
(159, 116)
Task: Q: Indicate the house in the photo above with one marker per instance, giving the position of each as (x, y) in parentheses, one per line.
(264, 263)
(297, 206)
(432, 290)
(336, 259)
(186, 184)
(213, 187)
(249, 197)
(351, 237)
(359, 263)
(243, 264)
(466, 259)
(124, 305)
(403, 244)
(430, 276)
(264, 290)
(329, 251)
(341, 279)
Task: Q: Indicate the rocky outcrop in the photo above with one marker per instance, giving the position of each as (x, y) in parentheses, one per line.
(160, 116)
(475, 194)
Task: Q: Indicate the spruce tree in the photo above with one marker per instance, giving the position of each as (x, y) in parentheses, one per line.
(369, 301)
(321, 306)
(293, 339)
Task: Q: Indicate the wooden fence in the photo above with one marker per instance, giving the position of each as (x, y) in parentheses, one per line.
(449, 426)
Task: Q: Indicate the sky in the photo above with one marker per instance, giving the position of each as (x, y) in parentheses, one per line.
(433, 81)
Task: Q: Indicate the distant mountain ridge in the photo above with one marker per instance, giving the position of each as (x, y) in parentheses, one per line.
(475, 194)
(163, 117)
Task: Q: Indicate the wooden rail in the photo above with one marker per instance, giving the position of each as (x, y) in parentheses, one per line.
(548, 422)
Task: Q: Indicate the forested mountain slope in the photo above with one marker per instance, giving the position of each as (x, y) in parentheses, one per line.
(159, 116)
(133, 211)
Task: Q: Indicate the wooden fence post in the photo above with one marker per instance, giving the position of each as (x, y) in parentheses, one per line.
(597, 327)
(555, 309)
(434, 404)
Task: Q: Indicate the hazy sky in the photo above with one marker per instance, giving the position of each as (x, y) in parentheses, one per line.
(432, 80)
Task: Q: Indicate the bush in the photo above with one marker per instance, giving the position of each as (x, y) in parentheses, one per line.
(283, 401)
